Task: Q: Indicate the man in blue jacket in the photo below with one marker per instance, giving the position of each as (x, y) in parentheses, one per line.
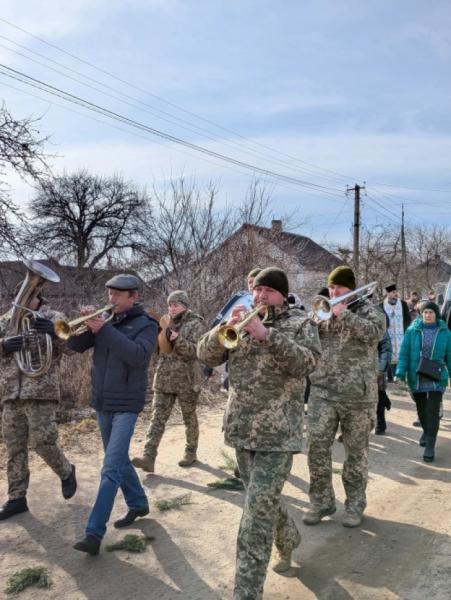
(122, 349)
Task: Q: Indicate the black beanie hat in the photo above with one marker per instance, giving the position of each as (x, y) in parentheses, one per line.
(254, 272)
(273, 277)
(429, 305)
(342, 276)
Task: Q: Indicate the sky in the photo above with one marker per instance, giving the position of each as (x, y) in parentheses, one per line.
(310, 97)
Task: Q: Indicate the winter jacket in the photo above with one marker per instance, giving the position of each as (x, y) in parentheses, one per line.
(410, 353)
(122, 350)
(265, 407)
(14, 385)
(180, 371)
(347, 370)
(384, 352)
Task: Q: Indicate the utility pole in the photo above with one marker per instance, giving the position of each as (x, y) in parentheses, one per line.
(404, 280)
(356, 228)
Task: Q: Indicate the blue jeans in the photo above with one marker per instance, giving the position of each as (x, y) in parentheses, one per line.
(117, 470)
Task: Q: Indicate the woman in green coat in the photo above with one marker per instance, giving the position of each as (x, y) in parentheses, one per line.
(428, 336)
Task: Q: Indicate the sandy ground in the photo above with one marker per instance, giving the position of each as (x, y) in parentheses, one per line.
(402, 550)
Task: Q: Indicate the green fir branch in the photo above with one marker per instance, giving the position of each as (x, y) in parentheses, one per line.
(230, 483)
(173, 503)
(31, 576)
(132, 543)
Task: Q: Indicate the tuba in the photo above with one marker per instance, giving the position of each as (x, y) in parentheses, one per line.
(35, 357)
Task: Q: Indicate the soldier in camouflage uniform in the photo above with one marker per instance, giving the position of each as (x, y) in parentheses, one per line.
(28, 416)
(264, 422)
(344, 391)
(177, 377)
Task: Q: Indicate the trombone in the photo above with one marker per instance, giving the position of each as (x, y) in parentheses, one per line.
(229, 335)
(322, 307)
(66, 329)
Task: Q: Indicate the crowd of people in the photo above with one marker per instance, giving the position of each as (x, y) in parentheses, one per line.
(346, 357)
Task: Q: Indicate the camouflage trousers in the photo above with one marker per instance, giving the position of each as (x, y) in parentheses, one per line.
(356, 424)
(30, 422)
(265, 519)
(162, 405)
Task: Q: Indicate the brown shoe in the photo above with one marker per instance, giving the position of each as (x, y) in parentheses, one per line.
(146, 463)
(188, 459)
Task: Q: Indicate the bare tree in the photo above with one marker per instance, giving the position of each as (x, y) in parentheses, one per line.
(195, 244)
(83, 218)
(22, 150)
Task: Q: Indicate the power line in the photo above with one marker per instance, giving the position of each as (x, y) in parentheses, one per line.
(33, 82)
(168, 103)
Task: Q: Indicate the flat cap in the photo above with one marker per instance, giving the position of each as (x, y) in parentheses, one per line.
(123, 282)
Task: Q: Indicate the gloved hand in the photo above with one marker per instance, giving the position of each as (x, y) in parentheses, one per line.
(42, 325)
(12, 344)
(387, 402)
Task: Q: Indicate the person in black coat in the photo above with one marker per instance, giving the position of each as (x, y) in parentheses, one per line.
(122, 349)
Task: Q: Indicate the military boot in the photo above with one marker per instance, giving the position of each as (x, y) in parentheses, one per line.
(429, 450)
(315, 514)
(352, 517)
(13, 507)
(188, 458)
(282, 561)
(146, 463)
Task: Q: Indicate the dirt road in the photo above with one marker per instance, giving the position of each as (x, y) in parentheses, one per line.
(402, 550)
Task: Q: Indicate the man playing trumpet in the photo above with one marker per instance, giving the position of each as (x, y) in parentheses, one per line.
(177, 377)
(264, 420)
(122, 348)
(344, 391)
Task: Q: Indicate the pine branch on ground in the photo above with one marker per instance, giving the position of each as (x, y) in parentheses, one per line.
(36, 576)
(132, 543)
(230, 483)
(229, 462)
(173, 503)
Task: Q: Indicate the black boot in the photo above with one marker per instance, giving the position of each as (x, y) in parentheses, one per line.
(90, 544)
(422, 442)
(69, 485)
(13, 507)
(429, 450)
(131, 516)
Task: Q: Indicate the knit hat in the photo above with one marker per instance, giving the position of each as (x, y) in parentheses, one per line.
(273, 277)
(342, 276)
(429, 305)
(178, 296)
(253, 273)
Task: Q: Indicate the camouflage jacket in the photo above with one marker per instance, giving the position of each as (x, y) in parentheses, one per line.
(347, 371)
(14, 384)
(180, 370)
(265, 408)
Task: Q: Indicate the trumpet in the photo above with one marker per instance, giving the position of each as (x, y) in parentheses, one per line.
(322, 307)
(66, 329)
(229, 335)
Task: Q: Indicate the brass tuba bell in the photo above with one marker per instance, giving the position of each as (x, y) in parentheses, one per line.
(35, 358)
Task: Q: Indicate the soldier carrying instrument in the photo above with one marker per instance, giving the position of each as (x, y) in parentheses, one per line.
(30, 389)
(177, 377)
(264, 418)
